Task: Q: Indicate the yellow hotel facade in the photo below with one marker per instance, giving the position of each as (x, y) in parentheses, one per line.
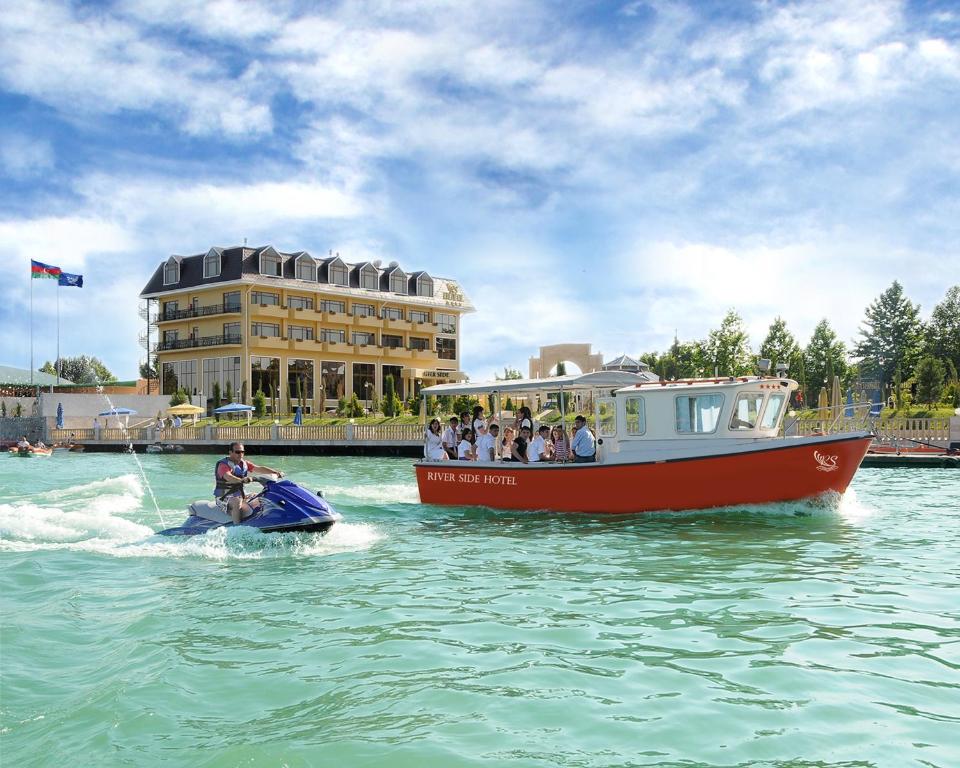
(255, 319)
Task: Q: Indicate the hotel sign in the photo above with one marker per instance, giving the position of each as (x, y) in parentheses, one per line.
(453, 296)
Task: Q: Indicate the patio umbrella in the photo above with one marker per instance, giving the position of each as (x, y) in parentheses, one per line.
(823, 404)
(298, 417)
(235, 408)
(125, 412)
(836, 399)
(59, 415)
(186, 409)
(848, 411)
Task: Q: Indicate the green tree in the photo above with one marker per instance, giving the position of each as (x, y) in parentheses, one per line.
(891, 335)
(561, 368)
(178, 398)
(147, 371)
(391, 401)
(259, 403)
(3, 409)
(727, 349)
(930, 375)
(781, 347)
(943, 330)
(18, 410)
(508, 374)
(215, 395)
(228, 392)
(824, 357)
(83, 369)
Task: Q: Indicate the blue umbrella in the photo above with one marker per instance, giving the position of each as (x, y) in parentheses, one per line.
(848, 411)
(233, 408)
(59, 415)
(298, 417)
(118, 412)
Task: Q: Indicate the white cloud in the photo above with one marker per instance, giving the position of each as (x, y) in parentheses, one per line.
(22, 156)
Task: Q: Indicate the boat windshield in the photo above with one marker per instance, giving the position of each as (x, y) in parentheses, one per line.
(771, 416)
(746, 411)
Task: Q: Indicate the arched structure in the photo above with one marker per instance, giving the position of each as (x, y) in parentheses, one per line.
(581, 354)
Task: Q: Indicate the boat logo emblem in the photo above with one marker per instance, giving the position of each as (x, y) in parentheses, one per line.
(827, 463)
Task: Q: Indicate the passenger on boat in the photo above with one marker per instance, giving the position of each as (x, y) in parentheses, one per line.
(478, 423)
(451, 438)
(467, 451)
(524, 419)
(433, 443)
(464, 423)
(519, 447)
(537, 450)
(584, 445)
(506, 444)
(561, 446)
(230, 474)
(487, 443)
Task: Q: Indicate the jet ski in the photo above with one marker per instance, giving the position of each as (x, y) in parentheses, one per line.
(284, 507)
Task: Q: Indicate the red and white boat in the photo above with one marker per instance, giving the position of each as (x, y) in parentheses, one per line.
(661, 445)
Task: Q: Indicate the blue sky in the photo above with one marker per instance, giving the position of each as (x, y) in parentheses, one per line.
(605, 172)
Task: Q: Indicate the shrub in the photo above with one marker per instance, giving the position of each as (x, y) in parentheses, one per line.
(259, 403)
(178, 398)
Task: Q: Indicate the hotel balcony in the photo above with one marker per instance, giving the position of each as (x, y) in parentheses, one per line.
(200, 341)
(303, 345)
(397, 352)
(269, 342)
(268, 310)
(396, 325)
(367, 321)
(423, 355)
(337, 347)
(334, 318)
(189, 312)
(367, 350)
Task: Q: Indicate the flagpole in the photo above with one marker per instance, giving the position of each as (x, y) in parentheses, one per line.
(58, 332)
(31, 325)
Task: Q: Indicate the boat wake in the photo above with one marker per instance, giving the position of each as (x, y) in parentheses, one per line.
(108, 517)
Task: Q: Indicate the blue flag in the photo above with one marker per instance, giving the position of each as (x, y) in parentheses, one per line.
(67, 279)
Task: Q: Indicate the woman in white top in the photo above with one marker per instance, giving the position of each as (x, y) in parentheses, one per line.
(479, 423)
(433, 443)
(466, 450)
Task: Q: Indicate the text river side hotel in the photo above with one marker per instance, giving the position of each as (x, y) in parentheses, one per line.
(289, 321)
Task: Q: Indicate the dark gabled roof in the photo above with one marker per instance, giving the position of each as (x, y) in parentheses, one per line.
(385, 277)
(413, 278)
(233, 263)
(356, 269)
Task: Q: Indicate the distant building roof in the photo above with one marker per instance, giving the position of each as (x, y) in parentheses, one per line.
(10, 376)
(625, 363)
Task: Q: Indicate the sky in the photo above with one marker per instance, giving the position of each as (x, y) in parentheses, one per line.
(611, 173)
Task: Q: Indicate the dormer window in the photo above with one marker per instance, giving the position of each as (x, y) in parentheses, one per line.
(270, 264)
(306, 268)
(211, 264)
(368, 277)
(398, 282)
(338, 273)
(424, 285)
(171, 272)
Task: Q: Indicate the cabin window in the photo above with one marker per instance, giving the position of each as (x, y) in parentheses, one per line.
(746, 411)
(608, 416)
(771, 416)
(698, 414)
(636, 416)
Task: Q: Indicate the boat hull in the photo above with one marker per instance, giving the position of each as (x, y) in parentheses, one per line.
(778, 473)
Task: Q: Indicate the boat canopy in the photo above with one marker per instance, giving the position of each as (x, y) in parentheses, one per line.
(570, 383)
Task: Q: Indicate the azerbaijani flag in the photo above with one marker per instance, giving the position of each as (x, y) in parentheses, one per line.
(38, 269)
(66, 278)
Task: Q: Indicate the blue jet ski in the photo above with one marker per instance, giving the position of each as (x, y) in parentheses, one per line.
(284, 507)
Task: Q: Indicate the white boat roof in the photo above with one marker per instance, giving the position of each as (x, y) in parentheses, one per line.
(571, 382)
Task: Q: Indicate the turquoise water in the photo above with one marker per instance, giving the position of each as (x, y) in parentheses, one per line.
(795, 635)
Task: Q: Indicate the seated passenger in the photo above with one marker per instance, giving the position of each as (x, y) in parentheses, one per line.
(464, 424)
(538, 450)
(584, 445)
(466, 451)
(433, 443)
(561, 446)
(487, 443)
(451, 438)
(519, 448)
(506, 445)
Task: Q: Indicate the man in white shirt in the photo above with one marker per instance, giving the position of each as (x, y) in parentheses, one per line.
(487, 443)
(584, 445)
(537, 449)
(450, 438)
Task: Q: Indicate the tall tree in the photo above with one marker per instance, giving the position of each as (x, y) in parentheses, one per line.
(781, 347)
(930, 374)
(891, 335)
(83, 369)
(727, 349)
(824, 357)
(943, 330)
(561, 368)
(508, 374)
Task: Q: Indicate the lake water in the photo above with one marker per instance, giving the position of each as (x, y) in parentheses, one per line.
(792, 635)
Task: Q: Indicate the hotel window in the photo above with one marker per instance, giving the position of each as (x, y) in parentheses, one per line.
(447, 323)
(368, 278)
(168, 378)
(362, 339)
(363, 310)
(636, 416)
(170, 309)
(391, 313)
(419, 317)
(211, 264)
(746, 410)
(337, 337)
(231, 378)
(300, 379)
(265, 329)
(270, 264)
(265, 375)
(299, 302)
(187, 376)
(419, 344)
(396, 373)
(171, 273)
(334, 379)
(231, 331)
(363, 384)
(447, 349)
(391, 342)
(231, 300)
(698, 414)
(398, 282)
(300, 332)
(338, 274)
(332, 306)
(211, 374)
(170, 336)
(424, 286)
(261, 297)
(306, 269)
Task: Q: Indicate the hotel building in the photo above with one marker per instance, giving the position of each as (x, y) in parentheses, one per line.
(260, 319)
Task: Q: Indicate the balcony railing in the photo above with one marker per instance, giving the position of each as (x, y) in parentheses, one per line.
(201, 341)
(213, 309)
